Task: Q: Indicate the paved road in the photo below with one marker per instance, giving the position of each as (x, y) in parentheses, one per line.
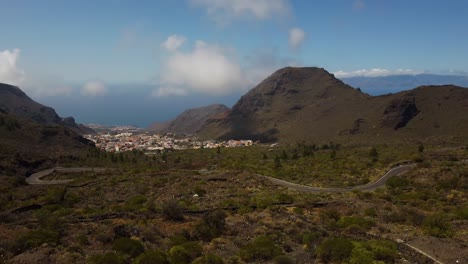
(35, 179)
(367, 187)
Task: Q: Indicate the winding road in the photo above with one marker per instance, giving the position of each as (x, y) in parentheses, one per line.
(36, 178)
(367, 187)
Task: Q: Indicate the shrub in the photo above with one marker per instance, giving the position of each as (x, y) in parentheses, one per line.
(397, 182)
(335, 249)
(178, 255)
(384, 250)
(311, 238)
(36, 238)
(462, 213)
(152, 257)
(193, 249)
(107, 258)
(211, 225)
(347, 221)
(330, 215)
(284, 260)
(208, 259)
(172, 211)
(438, 226)
(262, 248)
(361, 255)
(128, 246)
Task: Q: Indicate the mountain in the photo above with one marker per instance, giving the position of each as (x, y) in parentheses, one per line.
(32, 134)
(25, 144)
(190, 121)
(394, 83)
(310, 104)
(15, 102)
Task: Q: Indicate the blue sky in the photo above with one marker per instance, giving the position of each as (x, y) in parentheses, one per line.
(171, 50)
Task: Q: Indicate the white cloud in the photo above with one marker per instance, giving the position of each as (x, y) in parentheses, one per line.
(206, 69)
(94, 88)
(9, 71)
(173, 42)
(296, 37)
(359, 5)
(376, 72)
(224, 10)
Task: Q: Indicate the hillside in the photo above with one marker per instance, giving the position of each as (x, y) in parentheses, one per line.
(25, 144)
(15, 102)
(190, 121)
(296, 104)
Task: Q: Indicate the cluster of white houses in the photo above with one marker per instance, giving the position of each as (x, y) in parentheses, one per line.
(128, 141)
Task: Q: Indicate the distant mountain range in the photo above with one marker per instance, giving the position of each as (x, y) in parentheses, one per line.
(190, 121)
(310, 104)
(396, 83)
(15, 102)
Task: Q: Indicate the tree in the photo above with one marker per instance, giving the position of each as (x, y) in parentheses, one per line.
(277, 162)
(421, 148)
(374, 154)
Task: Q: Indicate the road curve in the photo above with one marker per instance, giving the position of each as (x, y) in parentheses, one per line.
(35, 179)
(367, 187)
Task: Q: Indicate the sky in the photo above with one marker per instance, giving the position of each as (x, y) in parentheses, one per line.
(123, 62)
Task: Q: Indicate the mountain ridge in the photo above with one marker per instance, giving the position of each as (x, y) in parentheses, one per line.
(16, 102)
(295, 104)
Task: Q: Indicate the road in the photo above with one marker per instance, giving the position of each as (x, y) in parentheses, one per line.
(35, 179)
(367, 187)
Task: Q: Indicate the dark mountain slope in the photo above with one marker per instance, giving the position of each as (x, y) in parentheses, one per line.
(296, 104)
(25, 144)
(190, 121)
(15, 102)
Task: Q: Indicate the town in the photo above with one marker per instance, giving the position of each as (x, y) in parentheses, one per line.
(153, 143)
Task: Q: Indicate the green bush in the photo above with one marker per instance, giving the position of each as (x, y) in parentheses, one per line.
(172, 211)
(128, 246)
(335, 249)
(152, 257)
(179, 255)
(36, 238)
(462, 213)
(208, 259)
(185, 253)
(397, 182)
(211, 225)
(262, 248)
(438, 226)
(347, 221)
(284, 260)
(384, 250)
(107, 258)
(361, 255)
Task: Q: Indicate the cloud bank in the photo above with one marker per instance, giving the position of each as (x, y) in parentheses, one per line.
(207, 68)
(9, 71)
(224, 10)
(296, 37)
(173, 42)
(376, 72)
(93, 89)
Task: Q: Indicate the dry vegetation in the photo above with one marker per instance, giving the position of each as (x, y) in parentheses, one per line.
(208, 206)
